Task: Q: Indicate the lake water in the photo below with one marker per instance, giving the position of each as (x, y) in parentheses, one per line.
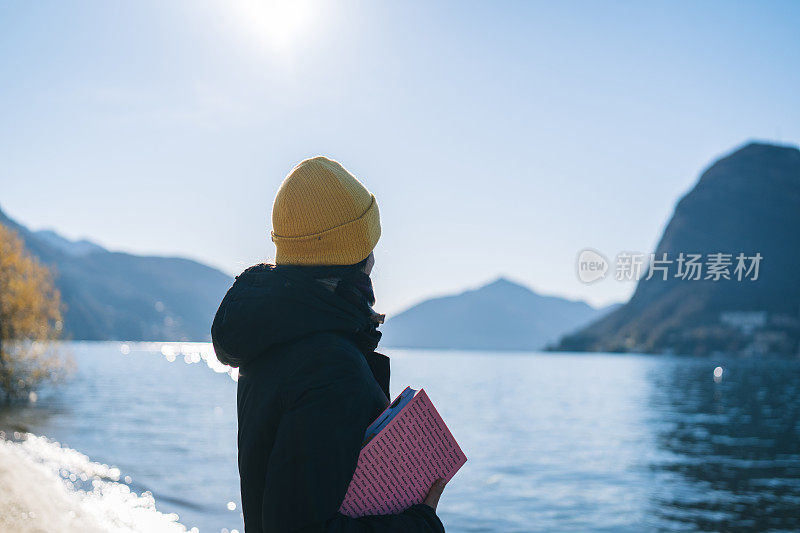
(556, 442)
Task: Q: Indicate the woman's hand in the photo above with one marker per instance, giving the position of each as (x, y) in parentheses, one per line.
(432, 499)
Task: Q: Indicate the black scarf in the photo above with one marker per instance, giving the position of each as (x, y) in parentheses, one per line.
(270, 305)
(352, 285)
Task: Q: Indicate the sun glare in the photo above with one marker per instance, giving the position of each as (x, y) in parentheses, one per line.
(274, 24)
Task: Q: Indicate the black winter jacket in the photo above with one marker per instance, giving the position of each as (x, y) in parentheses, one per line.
(307, 391)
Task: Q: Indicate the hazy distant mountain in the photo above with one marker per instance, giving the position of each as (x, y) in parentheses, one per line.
(76, 248)
(112, 295)
(502, 315)
(747, 202)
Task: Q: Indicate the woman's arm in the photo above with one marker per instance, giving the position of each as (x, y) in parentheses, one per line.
(327, 407)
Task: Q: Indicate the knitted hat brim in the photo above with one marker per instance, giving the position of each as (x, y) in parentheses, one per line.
(346, 244)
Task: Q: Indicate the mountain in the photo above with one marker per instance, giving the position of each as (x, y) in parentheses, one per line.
(119, 296)
(76, 248)
(747, 202)
(502, 315)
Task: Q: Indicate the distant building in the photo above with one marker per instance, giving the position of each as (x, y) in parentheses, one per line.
(744, 321)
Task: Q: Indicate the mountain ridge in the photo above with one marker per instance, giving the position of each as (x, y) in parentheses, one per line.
(747, 201)
(112, 295)
(499, 315)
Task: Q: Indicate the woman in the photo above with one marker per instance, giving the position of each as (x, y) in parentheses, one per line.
(303, 334)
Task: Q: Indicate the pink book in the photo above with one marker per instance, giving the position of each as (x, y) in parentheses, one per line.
(405, 450)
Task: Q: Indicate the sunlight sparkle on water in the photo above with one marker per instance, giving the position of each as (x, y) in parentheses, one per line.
(92, 489)
(167, 350)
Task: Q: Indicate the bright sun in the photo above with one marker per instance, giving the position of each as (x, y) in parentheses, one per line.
(274, 24)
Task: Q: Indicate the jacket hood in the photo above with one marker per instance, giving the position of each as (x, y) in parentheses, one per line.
(268, 306)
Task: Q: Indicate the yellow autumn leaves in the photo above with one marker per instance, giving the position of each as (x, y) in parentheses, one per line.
(30, 320)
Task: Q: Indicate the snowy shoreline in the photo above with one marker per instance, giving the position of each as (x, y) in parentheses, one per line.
(48, 487)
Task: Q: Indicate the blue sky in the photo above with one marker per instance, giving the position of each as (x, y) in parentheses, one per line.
(499, 138)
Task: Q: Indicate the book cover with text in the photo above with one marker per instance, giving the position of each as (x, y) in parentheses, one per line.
(406, 449)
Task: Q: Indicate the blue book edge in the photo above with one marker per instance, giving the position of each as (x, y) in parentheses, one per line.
(388, 414)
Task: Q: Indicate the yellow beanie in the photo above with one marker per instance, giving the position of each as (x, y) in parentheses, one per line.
(323, 215)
